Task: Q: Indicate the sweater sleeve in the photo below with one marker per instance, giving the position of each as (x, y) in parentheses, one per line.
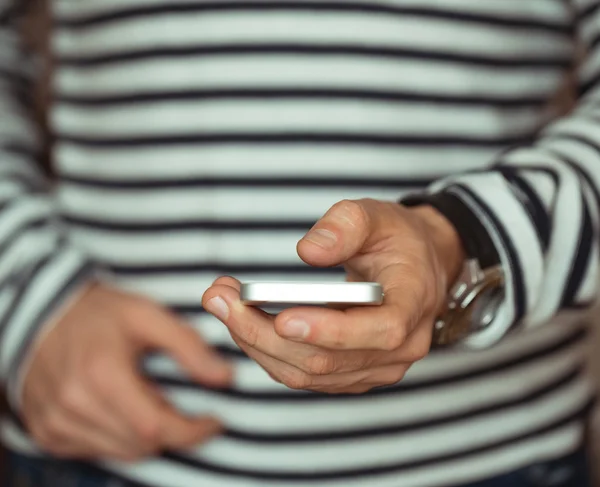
(39, 268)
(540, 204)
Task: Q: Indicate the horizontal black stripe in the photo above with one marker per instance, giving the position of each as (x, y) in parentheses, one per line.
(197, 95)
(246, 182)
(497, 20)
(188, 310)
(403, 387)
(12, 12)
(219, 267)
(231, 353)
(29, 183)
(30, 152)
(529, 63)
(302, 138)
(187, 225)
(580, 453)
(438, 460)
(16, 79)
(130, 483)
(390, 430)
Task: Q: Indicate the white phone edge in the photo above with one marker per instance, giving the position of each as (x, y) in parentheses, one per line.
(312, 293)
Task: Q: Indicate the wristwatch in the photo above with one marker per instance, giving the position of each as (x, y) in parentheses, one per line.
(475, 297)
(472, 305)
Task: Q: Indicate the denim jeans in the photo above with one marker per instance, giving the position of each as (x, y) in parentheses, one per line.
(571, 471)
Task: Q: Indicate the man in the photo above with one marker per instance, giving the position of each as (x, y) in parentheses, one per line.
(195, 140)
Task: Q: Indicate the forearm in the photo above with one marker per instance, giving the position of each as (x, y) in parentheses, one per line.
(39, 266)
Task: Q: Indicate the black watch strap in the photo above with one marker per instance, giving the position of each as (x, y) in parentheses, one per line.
(474, 236)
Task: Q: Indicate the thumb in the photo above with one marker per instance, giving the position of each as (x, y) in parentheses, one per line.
(339, 235)
(163, 331)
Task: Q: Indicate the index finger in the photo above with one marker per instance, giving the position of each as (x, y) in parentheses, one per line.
(160, 329)
(384, 327)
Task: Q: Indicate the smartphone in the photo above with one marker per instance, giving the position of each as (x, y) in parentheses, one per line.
(334, 294)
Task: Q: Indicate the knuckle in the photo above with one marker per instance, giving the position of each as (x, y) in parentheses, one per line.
(422, 288)
(353, 211)
(138, 309)
(72, 397)
(422, 254)
(338, 336)
(98, 371)
(418, 353)
(395, 335)
(53, 427)
(417, 350)
(149, 430)
(427, 297)
(397, 376)
(393, 375)
(320, 364)
(250, 335)
(295, 379)
(273, 375)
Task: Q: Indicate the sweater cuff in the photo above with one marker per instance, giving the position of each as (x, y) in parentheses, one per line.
(52, 286)
(476, 203)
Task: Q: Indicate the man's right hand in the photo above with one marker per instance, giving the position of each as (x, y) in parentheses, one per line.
(83, 394)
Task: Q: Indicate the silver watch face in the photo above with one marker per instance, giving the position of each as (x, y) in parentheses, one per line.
(485, 309)
(473, 303)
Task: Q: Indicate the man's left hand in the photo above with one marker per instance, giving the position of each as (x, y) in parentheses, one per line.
(414, 253)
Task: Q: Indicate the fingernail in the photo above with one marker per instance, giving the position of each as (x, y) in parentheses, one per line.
(295, 329)
(322, 238)
(218, 307)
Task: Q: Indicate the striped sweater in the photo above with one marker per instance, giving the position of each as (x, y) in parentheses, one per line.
(196, 138)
